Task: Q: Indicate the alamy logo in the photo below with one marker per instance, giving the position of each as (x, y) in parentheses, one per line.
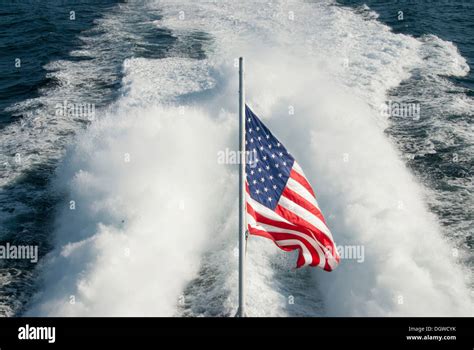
(400, 110)
(11, 251)
(76, 110)
(228, 156)
(37, 333)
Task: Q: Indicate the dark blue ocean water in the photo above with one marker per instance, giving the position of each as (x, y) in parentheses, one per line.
(451, 20)
(39, 32)
(33, 33)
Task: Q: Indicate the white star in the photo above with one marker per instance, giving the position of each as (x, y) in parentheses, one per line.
(261, 148)
(259, 138)
(258, 128)
(250, 130)
(259, 170)
(268, 136)
(284, 163)
(271, 177)
(273, 155)
(251, 140)
(265, 189)
(251, 172)
(254, 182)
(281, 154)
(278, 144)
(269, 199)
(248, 120)
(280, 175)
(264, 157)
(257, 191)
(262, 179)
(274, 187)
(270, 146)
(277, 166)
(267, 167)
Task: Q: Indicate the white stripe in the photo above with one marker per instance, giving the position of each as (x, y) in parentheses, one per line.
(315, 244)
(251, 220)
(305, 194)
(297, 168)
(263, 210)
(298, 188)
(306, 254)
(305, 215)
(332, 261)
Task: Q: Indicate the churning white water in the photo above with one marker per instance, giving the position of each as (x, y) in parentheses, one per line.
(153, 230)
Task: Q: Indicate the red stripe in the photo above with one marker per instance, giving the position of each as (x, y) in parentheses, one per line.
(317, 234)
(259, 218)
(302, 202)
(264, 220)
(261, 233)
(302, 181)
(277, 236)
(296, 223)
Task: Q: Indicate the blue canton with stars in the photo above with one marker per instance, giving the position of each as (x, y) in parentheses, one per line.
(269, 164)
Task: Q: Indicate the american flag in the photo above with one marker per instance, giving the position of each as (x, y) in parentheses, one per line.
(281, 205)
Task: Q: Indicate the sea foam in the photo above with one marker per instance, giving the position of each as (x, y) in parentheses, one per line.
(156, 235)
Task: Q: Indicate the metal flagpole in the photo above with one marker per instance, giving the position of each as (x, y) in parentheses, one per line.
(242, 211)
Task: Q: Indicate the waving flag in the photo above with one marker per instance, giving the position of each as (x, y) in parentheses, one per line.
(281, 204)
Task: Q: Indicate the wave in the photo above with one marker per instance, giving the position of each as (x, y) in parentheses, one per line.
(153, 231)
(31, 147)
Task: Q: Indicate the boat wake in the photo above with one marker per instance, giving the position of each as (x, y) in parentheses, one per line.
(153, 229)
